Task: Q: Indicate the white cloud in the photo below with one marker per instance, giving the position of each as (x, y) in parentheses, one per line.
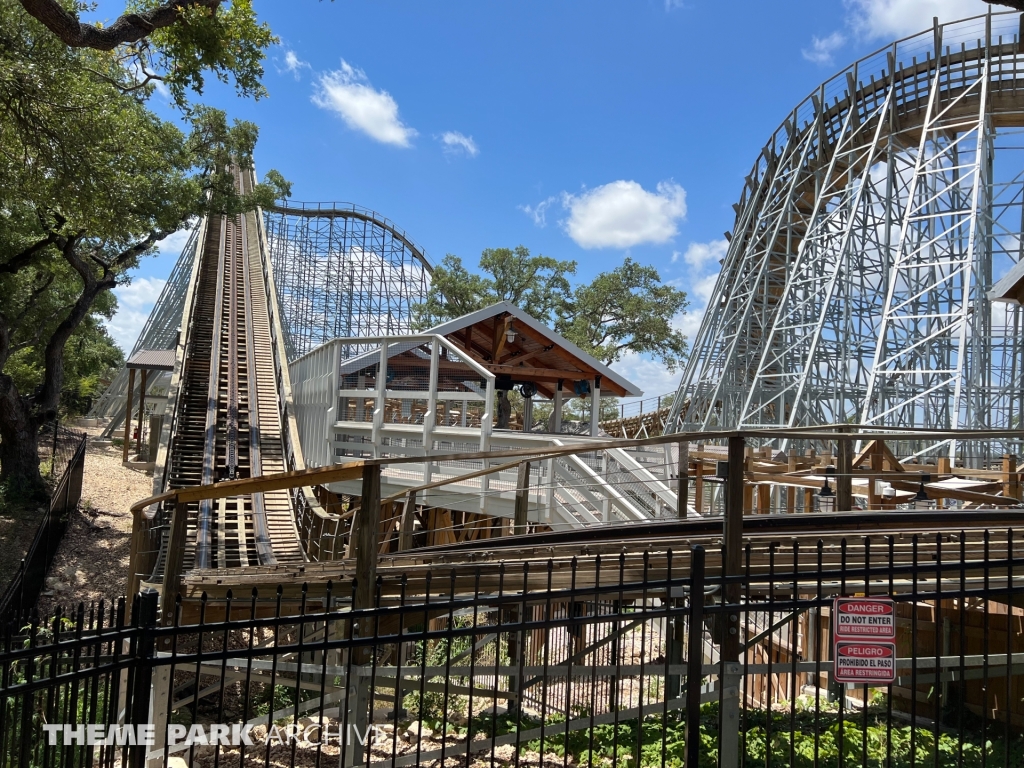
(822, 48)
(699, 254)
(140, 292)
(135, 300)
(539, 211)
(293, 64)
(134, 303)
(455, 143)
(890, 19)
(698, 292)
(173, 243)
(348, 93)
(650, 375)
(622, 214)
(124, 327)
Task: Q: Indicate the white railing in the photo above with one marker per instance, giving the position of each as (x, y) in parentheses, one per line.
(420, 396)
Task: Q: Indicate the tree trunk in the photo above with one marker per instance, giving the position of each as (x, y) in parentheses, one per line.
(19, 443)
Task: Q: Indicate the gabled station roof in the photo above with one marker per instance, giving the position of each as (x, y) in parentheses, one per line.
(1010, 287)
(537, 354)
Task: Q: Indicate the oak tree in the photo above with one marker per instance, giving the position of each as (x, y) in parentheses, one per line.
(625, 310)
(90, 181)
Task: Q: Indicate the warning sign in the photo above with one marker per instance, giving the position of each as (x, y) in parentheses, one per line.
(865, 662)
(864, 617)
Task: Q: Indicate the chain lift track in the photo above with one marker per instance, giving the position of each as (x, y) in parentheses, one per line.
(227, 420)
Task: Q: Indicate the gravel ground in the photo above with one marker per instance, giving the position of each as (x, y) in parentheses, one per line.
(92, 561)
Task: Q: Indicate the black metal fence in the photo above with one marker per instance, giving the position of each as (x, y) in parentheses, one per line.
(637, 660)
(62, 457)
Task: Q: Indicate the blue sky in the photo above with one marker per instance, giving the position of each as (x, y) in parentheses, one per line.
(582, 129)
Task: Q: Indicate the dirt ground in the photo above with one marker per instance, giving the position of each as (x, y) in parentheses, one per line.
(18, 525)
(92, 561)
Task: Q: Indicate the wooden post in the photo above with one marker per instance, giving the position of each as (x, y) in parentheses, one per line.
(142, 410)
(140, 529)
(733, 566)
(748, 488)
(698, 481)
(791, 491)
(408, 517)
(943, 469)
(733, 534)
(844, 479)
(1010, 476)
(557, 409)
(128, 416)
(683, 481)
(174, 564)
(595, 405)
(522, 498)
(874, 499)
(365, 537)
(764, 499)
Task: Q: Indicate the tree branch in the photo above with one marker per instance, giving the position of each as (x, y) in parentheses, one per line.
(30, 302)
(129, 28)
(23, 259)
(53, 357)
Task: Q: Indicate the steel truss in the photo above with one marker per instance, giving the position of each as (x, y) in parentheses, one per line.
(339, 270)
(342, 271)
(159, 332)
(867, 237)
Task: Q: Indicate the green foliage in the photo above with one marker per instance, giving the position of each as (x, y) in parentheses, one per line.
(657, 736)
(537, 284)
(226, 41)
(91, 180)
(625, 310)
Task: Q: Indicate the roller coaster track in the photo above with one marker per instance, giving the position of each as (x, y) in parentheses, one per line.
(227, 420)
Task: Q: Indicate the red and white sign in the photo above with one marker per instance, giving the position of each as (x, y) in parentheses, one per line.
(865, 662)
(864, 618)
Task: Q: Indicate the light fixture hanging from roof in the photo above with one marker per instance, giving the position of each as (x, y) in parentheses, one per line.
(922, 494)
(826, 490)
(510, 333)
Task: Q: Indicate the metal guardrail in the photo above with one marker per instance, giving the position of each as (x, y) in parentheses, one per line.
(650, 660)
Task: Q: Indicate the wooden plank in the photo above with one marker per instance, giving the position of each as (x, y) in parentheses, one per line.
(174, 564)
(275, 482)
(128, 416)
(406, 525)
(365, 535)
(142, 411)
(864, 453)
(683, 479)
(844, 481)
(545, 374)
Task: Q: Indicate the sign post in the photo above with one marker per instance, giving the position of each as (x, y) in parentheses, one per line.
(863, 636)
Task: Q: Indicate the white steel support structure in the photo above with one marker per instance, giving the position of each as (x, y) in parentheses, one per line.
(867, 237)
